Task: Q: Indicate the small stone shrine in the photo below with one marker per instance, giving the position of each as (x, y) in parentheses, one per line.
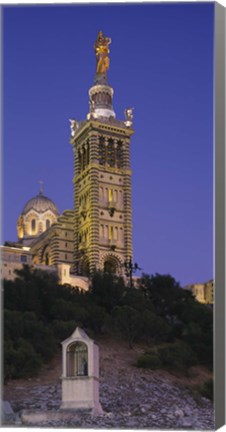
(80, 378)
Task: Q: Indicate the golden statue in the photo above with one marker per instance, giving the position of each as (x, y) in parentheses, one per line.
(102, 50)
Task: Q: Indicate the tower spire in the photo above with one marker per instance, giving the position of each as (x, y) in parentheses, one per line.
(41, 187)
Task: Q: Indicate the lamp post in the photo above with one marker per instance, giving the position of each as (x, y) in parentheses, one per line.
(130, 268)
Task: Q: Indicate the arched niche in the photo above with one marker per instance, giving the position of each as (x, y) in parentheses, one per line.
(110, 266)
(77, 359)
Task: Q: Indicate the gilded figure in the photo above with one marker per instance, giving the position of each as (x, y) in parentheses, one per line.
(101, 48)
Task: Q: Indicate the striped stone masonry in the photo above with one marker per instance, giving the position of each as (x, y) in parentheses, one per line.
(76, 207)
(94, 204)
(101, 159)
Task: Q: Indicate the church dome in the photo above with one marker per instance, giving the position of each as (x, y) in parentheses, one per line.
(38, 214)
(41, 204)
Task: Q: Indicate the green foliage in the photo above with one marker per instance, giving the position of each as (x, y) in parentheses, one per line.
(207, 390)
(134, 298)
(177, 356)
(96, 318)
(20, 359)
(128, 321)
(163, 291)
(62, 329)
(188, 320)
(40, 314)
(26, 326)
(68, 310)
(149, 361)
(107, 290)
(155, 328)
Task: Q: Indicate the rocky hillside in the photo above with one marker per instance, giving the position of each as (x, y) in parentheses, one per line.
(130, 397)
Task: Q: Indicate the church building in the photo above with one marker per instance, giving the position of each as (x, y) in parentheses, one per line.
(97, 233)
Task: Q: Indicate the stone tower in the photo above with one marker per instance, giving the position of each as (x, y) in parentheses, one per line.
(102, 178)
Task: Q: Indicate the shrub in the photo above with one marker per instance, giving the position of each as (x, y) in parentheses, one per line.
(127, 321)
(63, 329)
(67, 310)
(20, 360)
(154, 327)
(177, 356)
(96, 318)
(149, 361)
(207, 389)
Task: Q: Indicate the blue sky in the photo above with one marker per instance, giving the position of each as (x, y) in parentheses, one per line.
(162, 65)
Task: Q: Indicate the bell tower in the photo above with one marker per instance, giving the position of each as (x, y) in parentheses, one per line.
(102, 177)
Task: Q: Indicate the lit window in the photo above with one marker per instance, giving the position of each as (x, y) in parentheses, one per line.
(23, 258)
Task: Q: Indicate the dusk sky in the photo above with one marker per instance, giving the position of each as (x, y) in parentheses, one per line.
(162, 65)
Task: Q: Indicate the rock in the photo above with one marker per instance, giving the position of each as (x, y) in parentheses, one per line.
(186, 422)
(18, 421)
(163, 411)
(179, 413)
(8, 414)
(188, 411)
(146, 401)
(109, 414)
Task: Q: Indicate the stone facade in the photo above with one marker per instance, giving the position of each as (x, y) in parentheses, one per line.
(13, 257)
(102, 186)
(55, 245)
(203, 292)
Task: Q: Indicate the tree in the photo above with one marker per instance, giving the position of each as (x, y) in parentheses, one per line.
(128, 321)
(107, 290)
(155, 328)
(165, 294)
(20, 359)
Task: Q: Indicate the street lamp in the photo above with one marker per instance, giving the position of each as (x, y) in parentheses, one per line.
(130, 268)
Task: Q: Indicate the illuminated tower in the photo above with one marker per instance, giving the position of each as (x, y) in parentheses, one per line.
(102, 178)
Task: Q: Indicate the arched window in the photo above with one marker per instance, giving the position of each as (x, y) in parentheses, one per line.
(47, 259)
(33, 225)
(102, 151)
(47, 223)
(110, 153)
(110, 266)
(77, 359)
(119, 155)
